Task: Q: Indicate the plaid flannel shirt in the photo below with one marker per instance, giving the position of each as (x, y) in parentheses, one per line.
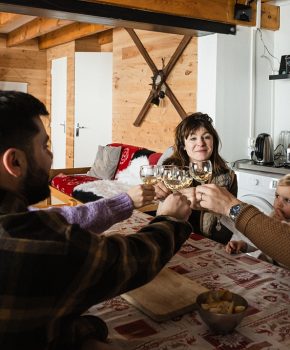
(51, 271)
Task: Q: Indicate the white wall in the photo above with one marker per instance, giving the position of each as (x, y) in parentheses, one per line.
(282, 87)
(239, 95)
(233, 93)
(206, 75)
(225, 93)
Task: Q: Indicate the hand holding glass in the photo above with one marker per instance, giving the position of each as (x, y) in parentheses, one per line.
(148, 174)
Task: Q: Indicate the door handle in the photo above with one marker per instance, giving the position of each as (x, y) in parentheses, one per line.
(78, 127)
(63, 124)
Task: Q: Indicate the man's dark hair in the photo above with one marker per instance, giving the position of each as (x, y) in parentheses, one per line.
(18, 111)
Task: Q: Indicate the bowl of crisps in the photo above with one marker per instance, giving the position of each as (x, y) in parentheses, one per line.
(221, 310)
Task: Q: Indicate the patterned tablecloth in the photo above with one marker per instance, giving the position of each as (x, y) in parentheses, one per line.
(266, 288)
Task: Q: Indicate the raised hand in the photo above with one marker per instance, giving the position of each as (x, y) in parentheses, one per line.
(141, 195)
(278, 214)
(215, 198)
(161, 191)
(190, 193)
(175, 205)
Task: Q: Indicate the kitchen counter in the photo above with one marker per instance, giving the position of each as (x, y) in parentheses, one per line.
(250, 165)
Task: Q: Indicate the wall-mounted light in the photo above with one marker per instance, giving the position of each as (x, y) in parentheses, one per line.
(243, 12)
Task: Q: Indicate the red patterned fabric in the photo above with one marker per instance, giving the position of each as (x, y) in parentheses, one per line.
(153, 158)
(66, 183)
(126, 155)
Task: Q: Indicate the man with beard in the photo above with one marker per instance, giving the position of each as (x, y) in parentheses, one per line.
(52, 271)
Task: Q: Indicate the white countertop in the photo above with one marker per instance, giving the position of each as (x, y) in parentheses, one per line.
(250, 165)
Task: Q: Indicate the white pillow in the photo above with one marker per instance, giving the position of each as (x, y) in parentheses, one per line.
(131, 175)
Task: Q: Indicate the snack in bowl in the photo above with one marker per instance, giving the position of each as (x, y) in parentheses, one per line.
(221, 310)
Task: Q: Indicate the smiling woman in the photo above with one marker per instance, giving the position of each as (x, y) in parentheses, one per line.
(196, 140)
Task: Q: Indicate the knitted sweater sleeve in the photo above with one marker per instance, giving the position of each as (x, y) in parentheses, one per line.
(99, 215)
(271, 236)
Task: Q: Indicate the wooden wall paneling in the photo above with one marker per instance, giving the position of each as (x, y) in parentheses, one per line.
(25, 66)
(131, 79)
(96, 43)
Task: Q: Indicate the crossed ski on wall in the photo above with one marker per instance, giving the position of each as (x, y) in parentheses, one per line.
(162, 74)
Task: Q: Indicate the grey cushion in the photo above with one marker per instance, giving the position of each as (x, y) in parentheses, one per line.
(168, 153)
(106, 162)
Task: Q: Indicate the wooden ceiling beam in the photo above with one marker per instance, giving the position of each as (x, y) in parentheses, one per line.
(6, 18)
(34, 29)
(69, 33)
(10, 21)
(119, 16)
(212, 10)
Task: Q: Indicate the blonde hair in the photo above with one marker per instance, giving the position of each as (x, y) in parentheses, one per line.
(284, 181)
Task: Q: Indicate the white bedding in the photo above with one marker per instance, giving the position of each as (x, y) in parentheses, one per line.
(127, 178)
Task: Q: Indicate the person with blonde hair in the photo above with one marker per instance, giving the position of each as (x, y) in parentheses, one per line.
(270, 235)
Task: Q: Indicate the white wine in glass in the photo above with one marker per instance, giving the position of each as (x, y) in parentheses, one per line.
(201, 171)
(176, 178)
(148, 174)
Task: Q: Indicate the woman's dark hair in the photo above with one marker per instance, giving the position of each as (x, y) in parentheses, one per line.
(18, 111)
(183, 130)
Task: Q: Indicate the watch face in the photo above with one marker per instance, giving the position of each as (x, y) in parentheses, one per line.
(234, 211)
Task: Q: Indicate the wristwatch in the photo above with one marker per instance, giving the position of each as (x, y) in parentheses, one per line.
(235, 210)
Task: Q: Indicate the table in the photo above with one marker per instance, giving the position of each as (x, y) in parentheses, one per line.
(266, 288)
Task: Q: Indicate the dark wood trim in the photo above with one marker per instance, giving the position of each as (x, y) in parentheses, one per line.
(116, 16)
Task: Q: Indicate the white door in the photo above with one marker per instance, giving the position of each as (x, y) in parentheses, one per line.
(93, 105)
(58, 111)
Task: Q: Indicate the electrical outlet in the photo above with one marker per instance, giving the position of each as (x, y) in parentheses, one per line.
(251, 142)
(251, 146)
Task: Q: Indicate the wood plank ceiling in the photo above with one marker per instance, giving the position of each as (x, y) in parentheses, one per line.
(19, 28)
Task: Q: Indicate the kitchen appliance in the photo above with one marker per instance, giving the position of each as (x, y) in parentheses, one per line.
(284, 141)
(264, 151)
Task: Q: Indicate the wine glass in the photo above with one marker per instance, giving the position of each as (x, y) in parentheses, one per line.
(201, 171)
(176, 178)
(148, 174)
(160, 171)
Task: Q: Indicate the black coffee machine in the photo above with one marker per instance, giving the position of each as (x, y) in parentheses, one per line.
(264, 151)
